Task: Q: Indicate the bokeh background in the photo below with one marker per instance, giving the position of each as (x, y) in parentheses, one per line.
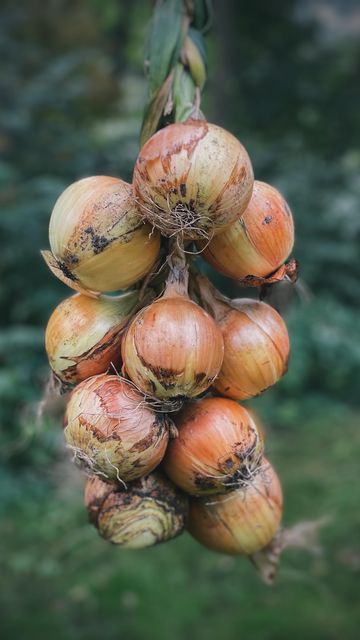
(284, 78)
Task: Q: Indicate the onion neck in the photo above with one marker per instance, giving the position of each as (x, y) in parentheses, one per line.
(213, 301)
(178, 279)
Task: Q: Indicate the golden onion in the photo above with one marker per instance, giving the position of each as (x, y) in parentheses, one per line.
(192, 178)
(173, 348)
(98, 241)
(83, 335)
(218, 447)
(243, 521)
(112, 431)
(150, 511)
(258, 242)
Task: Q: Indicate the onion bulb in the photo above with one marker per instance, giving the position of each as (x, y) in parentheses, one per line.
(173, 348)
(192, 178)
(150, 511)
(98, 241)
(112, 431)
(83, 335)
(218, 447)
(243, 521)
(258, 242)
(256, 343)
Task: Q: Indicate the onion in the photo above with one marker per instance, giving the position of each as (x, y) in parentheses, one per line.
(83, 335)
(218, 447)
(173, 348)
(152, 510)
(256, 343)
(258, 242)
(112, 431)
(192, 178)
(242, 522)
(97, 239)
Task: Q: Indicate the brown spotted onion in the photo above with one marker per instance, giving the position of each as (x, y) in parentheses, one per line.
(150, 511)
(192, 178)
(173, 348)
(112, 431)
(258, 242)
(83, 335)
(256, 343)
(98, 241)
(218, 447)
(242, 522)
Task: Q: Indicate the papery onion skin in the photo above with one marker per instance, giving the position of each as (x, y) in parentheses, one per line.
(218, 447)
(98, 238)
(172, 348)
(256, 349)
(83, 335)
(243, 521)
(149, 512)
(260, 240)
(192, 178)
(112, 431)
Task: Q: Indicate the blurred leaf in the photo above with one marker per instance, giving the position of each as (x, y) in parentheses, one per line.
(164, 41)
(154, 110)
(183, 94)
(203, 14)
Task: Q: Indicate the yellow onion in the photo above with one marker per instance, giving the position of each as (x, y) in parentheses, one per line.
(173, 348)
(218, 447)
(150, 511)
(192, 178)
(83, 335)
(112, 431)
(256, 343)
(98, 241)
(243, 521)
(258, 242)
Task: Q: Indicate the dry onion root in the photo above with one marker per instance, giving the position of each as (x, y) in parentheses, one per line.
(256, 343)
(98, 241)
(259, 242)
(192, 178)
(151, 511)
(218, 447)
(83, 335)
(173, 348)
(242, 522)
(112, 431)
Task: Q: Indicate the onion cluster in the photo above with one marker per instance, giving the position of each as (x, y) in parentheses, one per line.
(156, 372)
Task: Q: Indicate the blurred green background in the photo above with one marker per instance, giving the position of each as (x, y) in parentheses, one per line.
(284, 79)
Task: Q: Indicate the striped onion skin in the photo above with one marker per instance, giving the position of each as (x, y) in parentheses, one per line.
(218, 447)
(149, 512)
(257, 243)
(83, 335)
(256, 348)
(98, 240)
(112, 431)
(242, 522)
(192, 178)
(173, 348)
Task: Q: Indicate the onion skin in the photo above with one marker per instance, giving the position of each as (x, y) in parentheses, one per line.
(112, 431)
(97, 238)
(218, 447)
(192, 178)
(243, 521)
(83, 335)
(256, 349)
(260, 240)
(172, 348)
(151, 511)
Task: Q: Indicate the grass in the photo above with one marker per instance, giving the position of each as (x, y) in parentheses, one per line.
(59, 579)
